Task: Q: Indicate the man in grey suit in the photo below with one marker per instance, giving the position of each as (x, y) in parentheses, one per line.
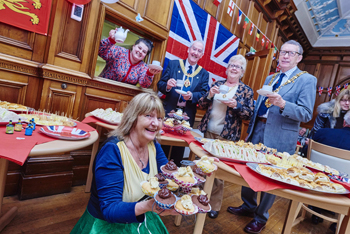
(275, 123)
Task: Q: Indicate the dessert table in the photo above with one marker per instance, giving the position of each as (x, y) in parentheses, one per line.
(163, 140)
(51, 147)
(333, 202)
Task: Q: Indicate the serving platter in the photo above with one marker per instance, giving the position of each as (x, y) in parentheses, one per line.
(202, 140)
(222, 158)
(254, 166)
(106, 121)
(64, 132)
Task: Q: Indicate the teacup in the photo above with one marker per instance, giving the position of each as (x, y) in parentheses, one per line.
(224, 89)
(267, 88)
(156, 63)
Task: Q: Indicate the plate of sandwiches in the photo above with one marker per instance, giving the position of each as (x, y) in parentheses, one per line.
(229, 151)
(202, 140)
(300, 177)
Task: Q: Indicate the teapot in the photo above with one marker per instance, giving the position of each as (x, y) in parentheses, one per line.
(120, 34)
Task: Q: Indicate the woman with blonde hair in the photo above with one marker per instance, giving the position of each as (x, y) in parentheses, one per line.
(331, 114)
(129, 156)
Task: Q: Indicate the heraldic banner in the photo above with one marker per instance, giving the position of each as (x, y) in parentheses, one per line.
(31, 15)
(190, 23)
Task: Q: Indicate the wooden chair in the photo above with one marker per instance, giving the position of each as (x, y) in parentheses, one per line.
(333, 157)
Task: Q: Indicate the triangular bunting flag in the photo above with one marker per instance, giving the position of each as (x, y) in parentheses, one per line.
(251, 29)
(239, 17)
(230, 8)
(257, 35)
(246, 22)
(263, 40)
(217, 2)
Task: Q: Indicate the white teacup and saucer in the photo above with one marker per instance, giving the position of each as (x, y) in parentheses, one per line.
(265, 90)
(155, 65)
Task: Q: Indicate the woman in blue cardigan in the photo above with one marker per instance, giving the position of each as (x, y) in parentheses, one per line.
(129, 156)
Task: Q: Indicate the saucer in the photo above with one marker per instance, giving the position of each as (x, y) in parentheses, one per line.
(264, 92)
(179, 91)
(156, 67)
(223, 99)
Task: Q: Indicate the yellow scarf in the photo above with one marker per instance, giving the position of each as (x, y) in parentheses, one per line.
(133, 175)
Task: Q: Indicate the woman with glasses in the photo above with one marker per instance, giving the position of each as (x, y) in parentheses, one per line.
(228, 102)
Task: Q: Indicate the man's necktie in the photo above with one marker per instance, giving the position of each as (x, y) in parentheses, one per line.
(263, 109)
(187, 83)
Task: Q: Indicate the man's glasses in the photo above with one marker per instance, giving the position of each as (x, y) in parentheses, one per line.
(290, 53)
(235, 66)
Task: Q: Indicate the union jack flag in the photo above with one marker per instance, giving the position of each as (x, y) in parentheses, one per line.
(189, 23)
(329, 90)
(337, 88)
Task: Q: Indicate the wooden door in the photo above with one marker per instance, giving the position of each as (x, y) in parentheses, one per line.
(61, 97)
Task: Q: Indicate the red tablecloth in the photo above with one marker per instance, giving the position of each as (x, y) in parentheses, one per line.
(258, 182)
(16, 149)
(91, 119)
(188, 137)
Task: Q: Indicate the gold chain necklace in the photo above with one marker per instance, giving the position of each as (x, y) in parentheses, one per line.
(291, 80)
(143, 165)
(224, 95)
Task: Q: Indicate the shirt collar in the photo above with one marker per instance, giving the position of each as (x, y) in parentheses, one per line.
(187, 64)
(290, 72)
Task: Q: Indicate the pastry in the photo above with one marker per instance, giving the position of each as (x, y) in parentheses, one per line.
(184, 177)
(328, 169)
(161, 180)
(338, 188)
(198, 174)
(307, 175)
(291, 180)
(202, 202)
(320, 177)
(165, 199)
(293, 171)
(151, 187)
(206, 164)
(197, 191)
(264, 170)
(168, 169)
(172, 186)
(326, 186)
(185, 205)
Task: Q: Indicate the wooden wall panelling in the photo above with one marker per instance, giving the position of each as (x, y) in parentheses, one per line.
(56, 99)
(16, 42)
(257, 44)
(344, 72)
(224, 18)
(161, 16)
(238, 30)
(211, 8)
(131, 3)
(13, 87)
(33, 94)
(249, 39)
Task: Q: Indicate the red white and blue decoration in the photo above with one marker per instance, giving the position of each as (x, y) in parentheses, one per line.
(320, 90)
(190, 23)
(329, 90)
(64, 133)
(337, 90)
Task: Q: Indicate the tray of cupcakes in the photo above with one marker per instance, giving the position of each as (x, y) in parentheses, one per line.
(177, 187)
(177, 122)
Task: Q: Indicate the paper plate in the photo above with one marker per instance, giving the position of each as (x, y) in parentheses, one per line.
(156, 67)
(65, 133)
(179, 91)
(223, 99)
(264, 92)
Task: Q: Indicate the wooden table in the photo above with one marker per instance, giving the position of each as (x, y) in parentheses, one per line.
(336, 203)
(163, 140)
(52, 147)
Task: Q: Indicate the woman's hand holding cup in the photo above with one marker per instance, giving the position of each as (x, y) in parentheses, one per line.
(213, 90)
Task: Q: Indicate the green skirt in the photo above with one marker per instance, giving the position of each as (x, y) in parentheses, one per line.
(89, 224)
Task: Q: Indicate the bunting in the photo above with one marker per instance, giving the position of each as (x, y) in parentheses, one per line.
(329, 90)
(320, 89)
(257, 35)
(239, 17)
(230, 8)
(251, 29)
(246, 22)
(337, 88)
(263, 41)
(217, 2)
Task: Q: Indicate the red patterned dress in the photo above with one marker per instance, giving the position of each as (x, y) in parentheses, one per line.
(119, 67)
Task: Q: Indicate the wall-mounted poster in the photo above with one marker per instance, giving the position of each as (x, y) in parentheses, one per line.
(189, 23)
(31, 15)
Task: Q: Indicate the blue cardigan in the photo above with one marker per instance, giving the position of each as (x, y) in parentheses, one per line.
(107, 185)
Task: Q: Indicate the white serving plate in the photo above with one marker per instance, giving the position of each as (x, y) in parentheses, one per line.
(106, 121)
(254, 166)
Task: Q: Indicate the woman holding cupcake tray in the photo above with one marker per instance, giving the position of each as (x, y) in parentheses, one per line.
(129, 156)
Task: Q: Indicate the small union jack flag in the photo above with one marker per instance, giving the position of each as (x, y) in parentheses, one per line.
(346, 86)
(320, 89)
(337, 90)
(329, 90)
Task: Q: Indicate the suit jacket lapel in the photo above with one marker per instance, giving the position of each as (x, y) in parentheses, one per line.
(287, 87)
(179, 73)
